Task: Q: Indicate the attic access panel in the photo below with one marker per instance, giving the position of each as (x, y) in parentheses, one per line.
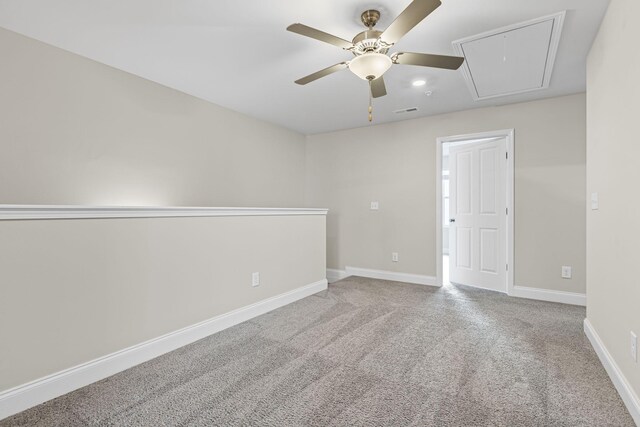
(511, 60)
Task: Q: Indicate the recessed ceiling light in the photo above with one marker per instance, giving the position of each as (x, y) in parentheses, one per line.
(418, 83)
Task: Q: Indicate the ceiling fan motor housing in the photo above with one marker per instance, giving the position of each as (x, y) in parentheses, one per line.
(369, 41)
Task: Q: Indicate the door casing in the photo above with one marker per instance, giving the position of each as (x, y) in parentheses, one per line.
(509, 135)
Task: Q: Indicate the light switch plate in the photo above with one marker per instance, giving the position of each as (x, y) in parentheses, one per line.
(594, 201)
(375, 206)
(255, 279)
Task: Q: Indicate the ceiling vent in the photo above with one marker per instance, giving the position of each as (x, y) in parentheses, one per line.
(406, 110)
(511, 60)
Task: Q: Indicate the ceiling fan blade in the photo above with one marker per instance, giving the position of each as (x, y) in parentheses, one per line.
(322, 73)
(319, 35)
(378, 88)
(428, 60)
(409, 18)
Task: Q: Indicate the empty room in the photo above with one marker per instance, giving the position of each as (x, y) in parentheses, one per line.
(319, 213)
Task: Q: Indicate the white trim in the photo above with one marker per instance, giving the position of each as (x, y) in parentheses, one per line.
(334, 275)
(13, 212)
(554, 42)
(509, 134)
(27, 395)
(511, 208)
(548, 295)
(629, 397)
(392, 275)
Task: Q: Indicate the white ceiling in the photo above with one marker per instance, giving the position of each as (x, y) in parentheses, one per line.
(237, 53)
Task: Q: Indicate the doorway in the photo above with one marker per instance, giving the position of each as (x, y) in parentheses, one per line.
(474, 210)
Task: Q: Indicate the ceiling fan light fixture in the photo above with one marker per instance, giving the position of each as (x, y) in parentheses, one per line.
(370, 66)
(370, 49)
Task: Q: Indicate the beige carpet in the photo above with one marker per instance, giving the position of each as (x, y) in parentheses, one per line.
(366, 353)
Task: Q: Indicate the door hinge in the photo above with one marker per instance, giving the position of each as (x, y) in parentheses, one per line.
(506, 155)
(507, 211)
(507, 267)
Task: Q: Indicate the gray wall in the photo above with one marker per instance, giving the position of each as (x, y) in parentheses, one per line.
(613, 171)
(394, 164)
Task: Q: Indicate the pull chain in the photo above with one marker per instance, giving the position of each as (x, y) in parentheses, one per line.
(370, 102)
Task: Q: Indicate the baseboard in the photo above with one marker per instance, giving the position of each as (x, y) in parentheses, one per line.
(334, 275)
(392, 275)
(27, 395)
(627, 394)
(549, 295)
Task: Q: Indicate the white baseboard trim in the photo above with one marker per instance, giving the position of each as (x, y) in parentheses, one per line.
(334, 275)
(627, 394)
(548, 295)
(27, 395)
(392, 275)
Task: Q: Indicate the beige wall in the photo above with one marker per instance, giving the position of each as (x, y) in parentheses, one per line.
(613, 171)
(75, 290)
(394, 164)
(73, 131)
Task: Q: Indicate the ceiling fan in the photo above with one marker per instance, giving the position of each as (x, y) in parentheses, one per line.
(371, 47)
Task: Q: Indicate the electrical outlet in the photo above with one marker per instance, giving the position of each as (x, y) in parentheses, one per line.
(255, 279)
(375, 206)
(566, 272)
(394, 256)
(634, 346)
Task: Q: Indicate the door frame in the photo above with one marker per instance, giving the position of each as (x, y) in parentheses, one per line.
(509, 134)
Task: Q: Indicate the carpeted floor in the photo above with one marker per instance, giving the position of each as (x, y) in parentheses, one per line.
(367, 353)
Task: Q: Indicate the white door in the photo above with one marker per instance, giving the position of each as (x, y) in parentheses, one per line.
(477, 203)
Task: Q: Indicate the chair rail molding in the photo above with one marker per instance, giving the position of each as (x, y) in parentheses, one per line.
(20, 212)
